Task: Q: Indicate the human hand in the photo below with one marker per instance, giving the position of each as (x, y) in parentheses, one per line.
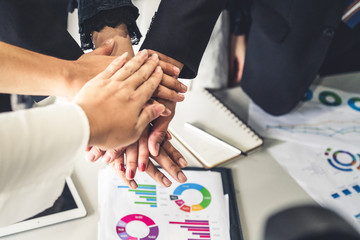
(237, 59)
(170, 88)
(87, 67)
(169, 159)
(118, 115)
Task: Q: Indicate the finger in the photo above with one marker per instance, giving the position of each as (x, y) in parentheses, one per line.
(143, 157)
(169, 69)
(144, 73)
(119, 163)
(239, 72)
(148, 114)
(131, 66)
(114, 66)
(167, 111)
(147, 89)
(131, 183)
(112, 154)
(105, 49)
(174, 154)
(94, 154)
(172, 83)
(170, 166)
(158, 134)
(131, 160)
(168, 135)
(157, 175)
(168, 94)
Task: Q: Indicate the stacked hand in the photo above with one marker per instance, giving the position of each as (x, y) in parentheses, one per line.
(154, 139)
(116, 100)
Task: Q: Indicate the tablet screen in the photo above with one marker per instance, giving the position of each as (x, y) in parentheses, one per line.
(68, 206)
(64, 203)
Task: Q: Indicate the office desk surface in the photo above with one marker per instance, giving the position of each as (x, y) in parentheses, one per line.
(262, 185)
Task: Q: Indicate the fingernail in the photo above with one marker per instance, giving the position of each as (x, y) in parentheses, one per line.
(106, 158)
(157, 149)
(121, 167)
(124, 55)
(154, 57)
(143, 53)
(183, 88)
(166, 181)
(131, 174)
(90, 157)
(181, 97)
(182, 162)
(133, 184)
(109, 41)
(182, 177)
(176, 70)
(142, 167)
(168, 135)
(158, 69)
(167, 111)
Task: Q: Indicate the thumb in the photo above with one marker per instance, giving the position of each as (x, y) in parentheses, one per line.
(148, 114)
(105, 49)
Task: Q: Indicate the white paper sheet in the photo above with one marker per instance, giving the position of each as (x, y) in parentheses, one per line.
(194, 210)
(329, 175)
(327, 117)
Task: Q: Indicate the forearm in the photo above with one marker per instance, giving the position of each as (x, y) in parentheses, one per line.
(182, 33)
(32, 141)
(26, 72)
(121, 38)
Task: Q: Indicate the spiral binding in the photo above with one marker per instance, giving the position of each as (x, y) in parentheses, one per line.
(232, 115)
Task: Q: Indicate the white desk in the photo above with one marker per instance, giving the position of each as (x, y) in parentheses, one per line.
(262, 186)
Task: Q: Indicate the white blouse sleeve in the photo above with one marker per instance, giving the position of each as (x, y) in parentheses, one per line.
(38, 149)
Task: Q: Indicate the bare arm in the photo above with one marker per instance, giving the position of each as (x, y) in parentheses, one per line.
(27, 72)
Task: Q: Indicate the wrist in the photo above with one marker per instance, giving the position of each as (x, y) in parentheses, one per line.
(121, 38)
(71, 79)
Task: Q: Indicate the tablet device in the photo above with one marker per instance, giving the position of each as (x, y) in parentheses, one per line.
(67, 207)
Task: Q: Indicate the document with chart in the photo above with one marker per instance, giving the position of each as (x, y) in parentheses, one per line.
(326, 116)
(330, 175)
(197, 209)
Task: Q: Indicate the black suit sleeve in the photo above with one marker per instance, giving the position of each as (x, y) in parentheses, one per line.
(38, 25)
(181, 30)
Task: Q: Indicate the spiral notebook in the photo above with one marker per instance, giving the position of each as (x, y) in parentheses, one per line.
(210, 131)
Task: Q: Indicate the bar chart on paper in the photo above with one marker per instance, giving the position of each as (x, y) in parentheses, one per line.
(196, 210)
(195, 229)
(145, 194)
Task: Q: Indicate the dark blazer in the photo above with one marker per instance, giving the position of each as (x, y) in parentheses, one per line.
(287, 44)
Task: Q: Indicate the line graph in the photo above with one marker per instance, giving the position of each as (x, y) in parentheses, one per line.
(328, 128)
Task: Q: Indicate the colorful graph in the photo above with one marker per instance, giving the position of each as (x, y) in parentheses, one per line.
(330, 98)
(352, 103)
(343, 160)
(325, 128)
(346, 192)
(176, 197)
(199, 229)
(307, 96)
(146, 194)
(121, 227)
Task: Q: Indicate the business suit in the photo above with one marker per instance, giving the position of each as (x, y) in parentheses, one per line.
(36, 25)
(287, 45)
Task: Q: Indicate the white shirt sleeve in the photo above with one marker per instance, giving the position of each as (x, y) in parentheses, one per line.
(38, 150)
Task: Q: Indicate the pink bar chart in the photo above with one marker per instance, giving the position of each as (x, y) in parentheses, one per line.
(198, 229)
